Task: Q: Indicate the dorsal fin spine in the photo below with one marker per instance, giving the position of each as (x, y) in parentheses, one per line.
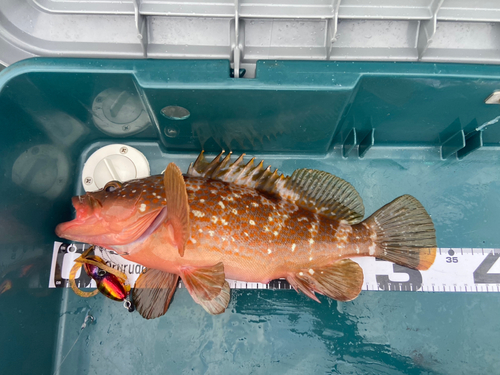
(213, 165)
(224, 162)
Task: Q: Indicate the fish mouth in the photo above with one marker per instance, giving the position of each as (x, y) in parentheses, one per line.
(83, 206)
(88, 226)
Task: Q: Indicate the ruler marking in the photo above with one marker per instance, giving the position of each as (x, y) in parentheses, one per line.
(449, 273)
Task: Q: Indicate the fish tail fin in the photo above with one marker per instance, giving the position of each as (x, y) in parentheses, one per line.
(404, 233)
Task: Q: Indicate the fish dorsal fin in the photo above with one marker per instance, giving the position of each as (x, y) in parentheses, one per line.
(153, 292)
(248, 175)
(177, 206)
(310, 189)
(323, 193)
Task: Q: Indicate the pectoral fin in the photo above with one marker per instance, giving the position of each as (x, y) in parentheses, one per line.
(153, 292)
(177, 206)
(207, 286)
(341, 281)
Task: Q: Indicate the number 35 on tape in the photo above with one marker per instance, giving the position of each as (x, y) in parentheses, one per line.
(454, 270)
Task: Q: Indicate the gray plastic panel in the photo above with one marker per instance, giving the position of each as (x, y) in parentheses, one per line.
(244, 31)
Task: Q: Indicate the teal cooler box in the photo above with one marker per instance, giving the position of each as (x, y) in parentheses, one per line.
(390, 129)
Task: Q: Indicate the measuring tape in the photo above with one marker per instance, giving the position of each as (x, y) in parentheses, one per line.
(454, 270)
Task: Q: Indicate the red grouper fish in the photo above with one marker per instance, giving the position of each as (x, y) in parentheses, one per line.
(242, 221)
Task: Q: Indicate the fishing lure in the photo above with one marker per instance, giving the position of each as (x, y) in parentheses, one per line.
(110, 282)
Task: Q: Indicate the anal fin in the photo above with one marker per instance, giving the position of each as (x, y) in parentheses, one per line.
(207, 286)
(153, 292)
(341, 281)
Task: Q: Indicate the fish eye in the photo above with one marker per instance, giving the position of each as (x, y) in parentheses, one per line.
(112, 186)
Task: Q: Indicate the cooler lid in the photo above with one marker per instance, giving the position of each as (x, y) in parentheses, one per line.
(245, 31)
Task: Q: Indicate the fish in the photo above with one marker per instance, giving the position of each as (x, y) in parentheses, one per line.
(235, 220)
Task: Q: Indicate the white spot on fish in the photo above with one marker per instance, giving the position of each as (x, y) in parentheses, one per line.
(213, 191)
(154, 194)
(232, 239)
(311, 241)
(269, 251)
(223, 239)
(293, 247)
(202, 200)
(142, 208)
(275, 233)
(357, 249)
(221, 205)
(200, 230)
(270, 218)
(252, 222)
(234, 211)
(211, 233)
(236, 195)
(310, 259)
(193, 240)
(254, 204)
(198, 213)
(311, 271)
(372, 249)
(301, 273)
(133, 191)
(224, 222)
(245, 233)
(214, 219)
(302, 219)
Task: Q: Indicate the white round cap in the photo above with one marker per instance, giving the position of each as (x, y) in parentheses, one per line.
(43, 169)
(113, 163)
